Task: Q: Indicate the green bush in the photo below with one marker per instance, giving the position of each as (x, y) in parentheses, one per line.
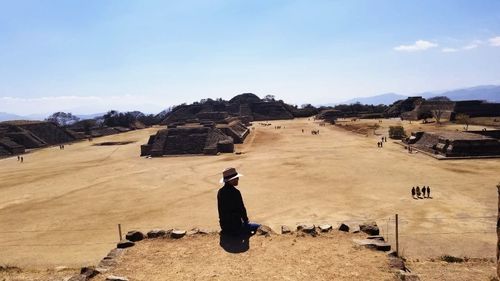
(397, 132)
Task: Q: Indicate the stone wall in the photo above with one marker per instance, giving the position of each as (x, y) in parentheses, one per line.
(187, 140)
(455, 144)
(477, 108)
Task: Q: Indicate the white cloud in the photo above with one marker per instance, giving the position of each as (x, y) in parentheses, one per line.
(449, 50)
(420, 45)
(473, 45)
(495, 41)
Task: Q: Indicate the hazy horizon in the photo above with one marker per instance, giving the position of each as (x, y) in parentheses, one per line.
(91, 56)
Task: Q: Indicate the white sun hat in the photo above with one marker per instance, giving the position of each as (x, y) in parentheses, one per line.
(229, 174)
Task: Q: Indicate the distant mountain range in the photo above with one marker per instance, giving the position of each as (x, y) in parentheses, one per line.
(8, 116)
(489, 93)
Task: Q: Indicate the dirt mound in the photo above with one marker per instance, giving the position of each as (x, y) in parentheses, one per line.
(331, 256)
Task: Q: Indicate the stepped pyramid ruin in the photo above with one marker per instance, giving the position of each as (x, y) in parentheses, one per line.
(188, 139)
(245, 106)
(16, 136)
(457, 144)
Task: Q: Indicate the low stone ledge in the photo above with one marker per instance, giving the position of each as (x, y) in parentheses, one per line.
(135, 236)
(156, 233)
(176, 233)
(264, 230)
(285, 229)
(125, 244)
(369, 228)
(325, 228)
(116, 278)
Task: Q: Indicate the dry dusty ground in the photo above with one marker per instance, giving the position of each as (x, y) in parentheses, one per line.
(283, 257)
(62, 207)
(481, 269)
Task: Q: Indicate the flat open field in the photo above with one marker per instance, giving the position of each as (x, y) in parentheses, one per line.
(62, 207)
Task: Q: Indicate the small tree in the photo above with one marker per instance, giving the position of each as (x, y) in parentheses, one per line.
(269, 98)
(463, 119)
(62, 118)
(397, 132)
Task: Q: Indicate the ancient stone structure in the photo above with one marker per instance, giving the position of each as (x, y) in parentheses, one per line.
(456, 144)
(235, 129)
(401, 106)
(477, 108)
(427, 109)
(16, 136)
(248, 107)
(416, 108)
(329, 115)
(188, 139)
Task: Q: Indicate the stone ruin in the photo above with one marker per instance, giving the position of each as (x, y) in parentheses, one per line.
(416, 108)
(189, 139)
(235, 129)
(329, 115)
(247, 107)
(457, 144)
(17, 136)
(370, 238)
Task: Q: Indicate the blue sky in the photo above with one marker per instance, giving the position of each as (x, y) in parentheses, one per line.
(91, 56)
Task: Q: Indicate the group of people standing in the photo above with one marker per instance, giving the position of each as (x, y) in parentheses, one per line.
(20, 159)
(425, 191)
(381, 143)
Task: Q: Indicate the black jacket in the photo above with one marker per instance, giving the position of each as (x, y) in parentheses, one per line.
(232, 212)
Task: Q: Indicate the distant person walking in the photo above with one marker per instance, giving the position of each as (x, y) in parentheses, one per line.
(423, 191)
(413, 192)
(18, 158)
(428, 192)
(22, 159)
(233, 217)
(418, 192)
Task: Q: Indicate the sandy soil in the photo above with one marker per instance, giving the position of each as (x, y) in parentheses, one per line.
(62, 207)
(440, 270)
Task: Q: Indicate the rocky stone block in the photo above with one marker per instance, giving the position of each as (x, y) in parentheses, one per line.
(344, 227)
(116, 278)
(264, 230)
(176, 234)
(125, 244)
(374, 244)
(89, 272)
(325, 228)
(406, 276)
(369, 228)
(134, 236)
(307, 228)
(285, 229)
(156, 233)
(376, 237)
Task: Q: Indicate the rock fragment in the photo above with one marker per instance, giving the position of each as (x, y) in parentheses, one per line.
(116, 278)
(370, 228)
(134, 236)
(285, 229)
(325, 228)
(177, 233)
(156, 233)
(125, 244)
(344, 227)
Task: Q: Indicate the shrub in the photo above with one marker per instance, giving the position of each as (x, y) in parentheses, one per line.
(451, 259)
(397, 132)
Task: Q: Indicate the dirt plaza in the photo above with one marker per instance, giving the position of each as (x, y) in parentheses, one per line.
(62, 207)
